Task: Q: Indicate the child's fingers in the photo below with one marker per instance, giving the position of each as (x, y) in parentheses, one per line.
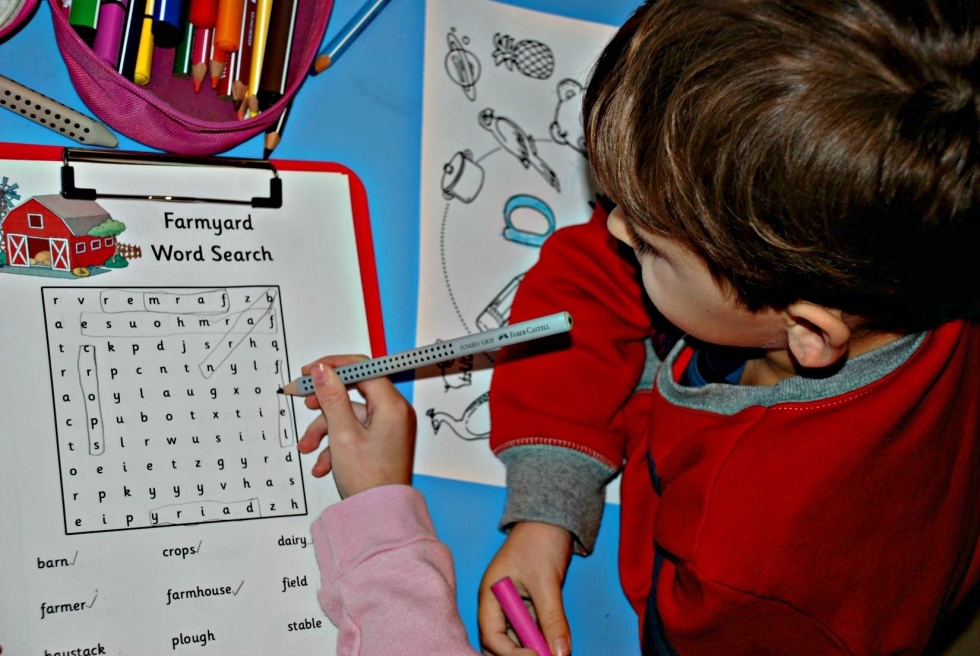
(313, 435)
(333, 361)
(331, 393)
(493, 627)
(550, 611)
(323, 463)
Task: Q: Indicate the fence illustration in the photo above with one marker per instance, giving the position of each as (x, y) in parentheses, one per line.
(128, 251)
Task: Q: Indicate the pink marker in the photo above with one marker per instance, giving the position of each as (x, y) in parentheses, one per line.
(108, 36)
(519, 617)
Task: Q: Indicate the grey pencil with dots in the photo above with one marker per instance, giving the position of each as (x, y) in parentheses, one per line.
(54, 115)
(552, 324)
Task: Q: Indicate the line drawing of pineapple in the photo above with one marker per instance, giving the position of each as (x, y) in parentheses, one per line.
(532, 58)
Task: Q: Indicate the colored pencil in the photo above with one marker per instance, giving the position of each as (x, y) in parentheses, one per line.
(274, 133)
(423, 356)
(183, 55)
(54, 115)
(329, 54)
(217, 65)
(262, 18)
(244, 63)
(200, 56)
(275, 68)
(227, 77)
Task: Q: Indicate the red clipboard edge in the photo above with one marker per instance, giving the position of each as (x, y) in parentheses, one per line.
(365, 245)
(359, 210)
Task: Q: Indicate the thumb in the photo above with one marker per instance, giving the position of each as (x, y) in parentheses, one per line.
(331, 394)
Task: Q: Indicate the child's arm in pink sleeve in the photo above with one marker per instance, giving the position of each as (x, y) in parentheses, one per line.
(386, 580)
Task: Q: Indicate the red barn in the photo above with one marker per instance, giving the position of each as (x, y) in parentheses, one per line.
(61, 226)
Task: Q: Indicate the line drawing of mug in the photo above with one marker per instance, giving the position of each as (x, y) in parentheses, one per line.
(462, 177)
(527, 237)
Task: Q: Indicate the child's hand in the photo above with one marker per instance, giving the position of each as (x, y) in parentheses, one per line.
(535, 555)
(372, 443)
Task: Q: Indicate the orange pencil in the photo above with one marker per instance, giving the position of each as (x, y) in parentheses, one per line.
(218, 58)
(228, 31)
(200, 56)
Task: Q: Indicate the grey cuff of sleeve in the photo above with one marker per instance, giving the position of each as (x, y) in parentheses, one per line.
(556, 485)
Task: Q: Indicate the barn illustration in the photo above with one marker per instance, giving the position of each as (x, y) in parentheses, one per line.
(67, 235)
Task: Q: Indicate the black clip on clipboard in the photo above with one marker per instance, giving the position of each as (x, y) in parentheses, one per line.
(94, 156)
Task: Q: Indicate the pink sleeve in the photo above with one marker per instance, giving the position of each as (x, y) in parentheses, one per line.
(386, 580)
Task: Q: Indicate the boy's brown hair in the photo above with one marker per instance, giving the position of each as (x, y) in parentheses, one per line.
(815, 150)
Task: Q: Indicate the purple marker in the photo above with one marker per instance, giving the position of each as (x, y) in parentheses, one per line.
(519, 617)
(108, 37)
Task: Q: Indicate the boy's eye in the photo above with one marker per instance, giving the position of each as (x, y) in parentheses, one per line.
(640, 245)
(643, 248)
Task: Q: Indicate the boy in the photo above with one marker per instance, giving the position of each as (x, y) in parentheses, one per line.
(800, 185)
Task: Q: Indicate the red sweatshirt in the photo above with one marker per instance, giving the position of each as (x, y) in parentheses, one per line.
(841, 522)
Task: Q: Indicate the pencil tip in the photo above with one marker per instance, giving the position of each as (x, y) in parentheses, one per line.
(279, 391)
(214, 82)
(321, 64)
(197, 85)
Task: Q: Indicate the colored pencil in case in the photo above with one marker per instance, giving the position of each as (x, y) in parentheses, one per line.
(168, 18)
(275, 68)
(200, 56)
(217, 65)
(203, 13)
(144, 58)
(131, 38)
(244, 63)
(109, 35)
(227, 77)
(183, 55)
(227, 31)
(348, 33)
(273, 134)
(262, 18)
(84, 19)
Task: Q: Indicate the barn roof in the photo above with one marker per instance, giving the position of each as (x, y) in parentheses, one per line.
(79, 215)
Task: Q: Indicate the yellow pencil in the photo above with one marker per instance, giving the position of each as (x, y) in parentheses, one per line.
(264, 13)
(144, 59)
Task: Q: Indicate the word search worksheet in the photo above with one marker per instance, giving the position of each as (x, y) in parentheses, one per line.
(152, 499)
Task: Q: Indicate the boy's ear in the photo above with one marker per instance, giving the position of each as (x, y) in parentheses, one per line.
(817, 336)
(616, 224)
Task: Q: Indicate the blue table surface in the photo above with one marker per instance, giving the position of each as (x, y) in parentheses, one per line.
(366, 112)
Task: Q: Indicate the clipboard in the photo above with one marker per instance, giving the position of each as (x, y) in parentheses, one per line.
(152, 496)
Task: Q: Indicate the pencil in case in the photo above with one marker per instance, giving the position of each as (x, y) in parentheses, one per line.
(19, 11)
(166, 113)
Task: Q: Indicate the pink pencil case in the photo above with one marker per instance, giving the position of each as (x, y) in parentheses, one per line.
(22, 15)
(166, 113)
